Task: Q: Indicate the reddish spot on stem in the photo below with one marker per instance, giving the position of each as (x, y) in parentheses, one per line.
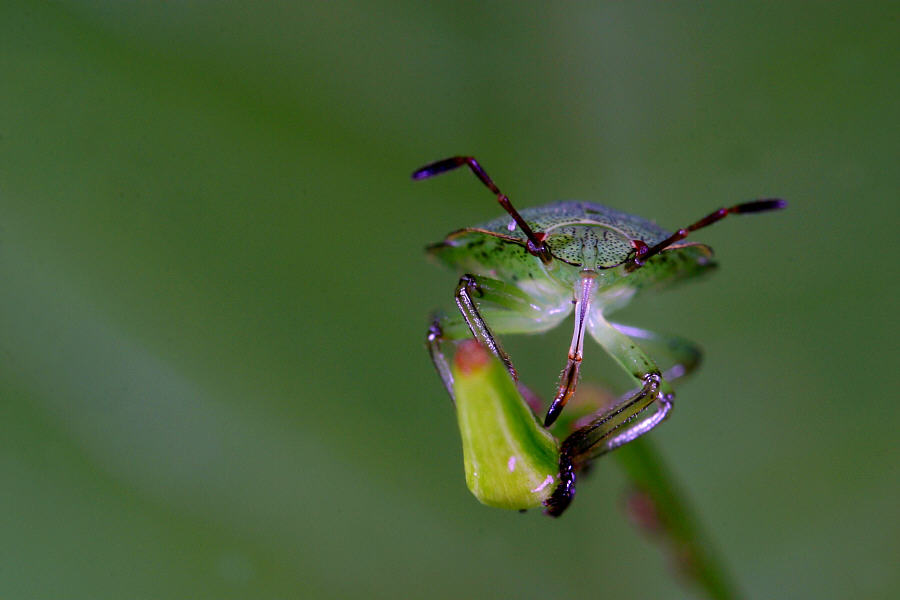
(643, 512)
(471, 356)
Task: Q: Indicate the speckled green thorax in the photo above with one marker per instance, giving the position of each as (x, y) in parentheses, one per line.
(567, 223)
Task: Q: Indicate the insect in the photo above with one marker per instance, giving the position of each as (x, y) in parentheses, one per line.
(528, 271)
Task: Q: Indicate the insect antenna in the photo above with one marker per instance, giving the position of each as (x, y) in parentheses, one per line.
(535, 245)
(643, 252)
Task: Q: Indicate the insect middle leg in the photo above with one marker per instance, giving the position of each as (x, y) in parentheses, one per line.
(480, 300)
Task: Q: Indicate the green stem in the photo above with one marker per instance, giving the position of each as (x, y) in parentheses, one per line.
(661, 510)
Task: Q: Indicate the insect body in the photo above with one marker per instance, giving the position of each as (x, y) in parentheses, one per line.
(527, 272)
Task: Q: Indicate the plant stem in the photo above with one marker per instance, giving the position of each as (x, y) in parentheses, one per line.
(661, 510)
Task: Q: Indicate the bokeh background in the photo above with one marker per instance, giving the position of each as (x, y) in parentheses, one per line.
(213, 295)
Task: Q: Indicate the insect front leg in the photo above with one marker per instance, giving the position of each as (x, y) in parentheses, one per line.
(482, 300)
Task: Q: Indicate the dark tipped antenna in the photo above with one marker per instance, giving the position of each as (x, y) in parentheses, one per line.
(535, 245)
(643, 252)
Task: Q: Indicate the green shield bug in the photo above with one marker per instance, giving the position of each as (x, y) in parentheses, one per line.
(526, 273)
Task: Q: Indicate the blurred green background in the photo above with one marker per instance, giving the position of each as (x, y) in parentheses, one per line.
(213, 296)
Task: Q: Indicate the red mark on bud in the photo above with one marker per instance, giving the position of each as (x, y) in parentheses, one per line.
(471, 356)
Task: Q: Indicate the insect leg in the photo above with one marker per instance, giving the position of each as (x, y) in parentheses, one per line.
(617, 425)
(433, 342)
(684, 355)
(577, 449)
(465, 290)
(642, 368)
(481, 299)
